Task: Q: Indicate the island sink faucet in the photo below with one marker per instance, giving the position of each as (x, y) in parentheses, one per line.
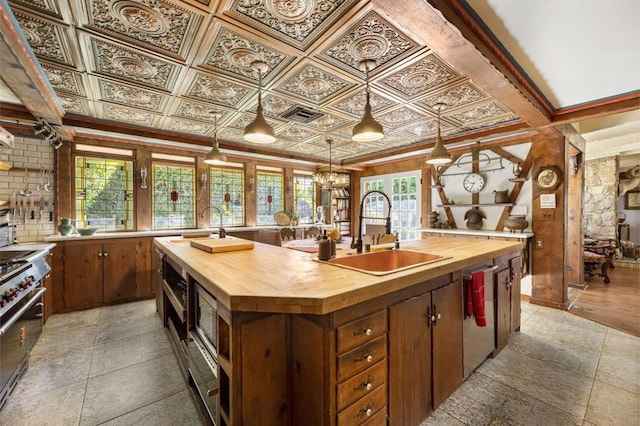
(221, 232)
(360, 217)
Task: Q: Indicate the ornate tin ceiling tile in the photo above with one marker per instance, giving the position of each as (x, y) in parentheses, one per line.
(314, 83)
(354, 105)
(122, 63)
(295, 133)
(297, 22)
(63, 79)
(157, 24)
(48, 40)
(233, 52)
(308, 148)
(75, 104)
(230, 134)
(481, 115)
(420, 77)
(131, 96)
(371, 37)
(272, 105)
(242, 120)
(399, 117)
(218, 90)
(328, 122)
(50, 7)
(195, 110)
(128, 115)
(456, 97)
(188, 126)
(422, 129)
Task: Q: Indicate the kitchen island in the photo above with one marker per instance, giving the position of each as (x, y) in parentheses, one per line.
(298, 341)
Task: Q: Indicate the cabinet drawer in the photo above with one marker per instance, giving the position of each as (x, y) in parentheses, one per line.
(360, 358)
(361, 331)
(365, 408)
(361, 384)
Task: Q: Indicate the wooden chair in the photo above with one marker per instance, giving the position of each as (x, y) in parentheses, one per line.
(288, 234)
(270, 236)
(593, 260)
(312, 232)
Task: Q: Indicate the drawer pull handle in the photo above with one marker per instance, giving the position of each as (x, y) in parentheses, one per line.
(366, 411)
(368, 331)
(365, 357)
(367, 384)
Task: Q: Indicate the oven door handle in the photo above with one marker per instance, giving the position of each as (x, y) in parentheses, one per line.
(6, 326)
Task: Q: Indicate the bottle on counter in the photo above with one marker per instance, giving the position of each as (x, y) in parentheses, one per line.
(324, 248)
(397, 244)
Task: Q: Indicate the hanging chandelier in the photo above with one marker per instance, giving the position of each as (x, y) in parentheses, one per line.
(215, 157)
(259, 131)
(439, 153)
(330, 179)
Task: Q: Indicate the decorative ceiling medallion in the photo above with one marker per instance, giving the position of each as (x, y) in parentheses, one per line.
(45, 38)
(420, 77)
(455, 97)
(128, 115)
(116, 61)
(63, 79)
(155, 23)
(487, 112)
(371, 38)
(131, 96)
(295, 20)
(74, 104)
(234, 53)
(187, 126)
(218, 90)
(313, 83)
(354, 105)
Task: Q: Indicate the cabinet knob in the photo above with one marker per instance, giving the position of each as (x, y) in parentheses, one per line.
(106, 254)
(439, 316)
(369, 358)
(367, 384)
(366, 411)
(368, 331)
(100, 254)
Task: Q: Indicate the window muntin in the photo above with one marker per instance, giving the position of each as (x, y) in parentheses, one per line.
(269, 196)
(173, 196)
(104, 193)
(304, 199)
(227, 192)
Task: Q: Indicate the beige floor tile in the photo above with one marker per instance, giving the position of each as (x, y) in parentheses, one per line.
(610, 405)
(121, 391)
(124, 326)
(59, 406)
(620, 361)
(441, 418)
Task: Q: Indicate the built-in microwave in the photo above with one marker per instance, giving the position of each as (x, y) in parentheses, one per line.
(201, 348)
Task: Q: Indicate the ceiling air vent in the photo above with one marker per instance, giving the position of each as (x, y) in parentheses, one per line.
(301, 114)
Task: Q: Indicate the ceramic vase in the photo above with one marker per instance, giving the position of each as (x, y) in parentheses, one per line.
(515, 223)
(65, 227)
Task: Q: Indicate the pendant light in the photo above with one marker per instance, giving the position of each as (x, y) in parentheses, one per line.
(259, 131)
(439, 153)
(215, 157)
(368, 129)
(330, 180)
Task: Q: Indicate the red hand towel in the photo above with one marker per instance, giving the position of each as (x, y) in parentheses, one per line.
(477, 297)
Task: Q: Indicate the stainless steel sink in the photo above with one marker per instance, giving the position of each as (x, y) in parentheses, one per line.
(386, 262)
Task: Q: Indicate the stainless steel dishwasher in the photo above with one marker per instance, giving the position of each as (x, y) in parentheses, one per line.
(478, 342)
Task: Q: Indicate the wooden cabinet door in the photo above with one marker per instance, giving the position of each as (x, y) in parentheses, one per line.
(516, 277)
(446, 303)
(503, 314)
(144, 264)
(410, 361)
(82, 275)
(120, 270)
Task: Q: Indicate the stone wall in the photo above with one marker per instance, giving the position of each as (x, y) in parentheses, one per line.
(601, 197)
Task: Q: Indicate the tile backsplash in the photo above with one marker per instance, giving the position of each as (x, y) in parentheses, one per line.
(33, 154)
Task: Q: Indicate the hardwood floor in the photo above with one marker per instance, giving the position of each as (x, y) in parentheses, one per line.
(616, 305)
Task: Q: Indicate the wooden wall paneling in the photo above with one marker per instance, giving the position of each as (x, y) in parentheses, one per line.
(64, 199)
(250, 191)
(143, 202)
(475, 168)
(203, 195)
(575, 242)
(549, 282)
(517, 187)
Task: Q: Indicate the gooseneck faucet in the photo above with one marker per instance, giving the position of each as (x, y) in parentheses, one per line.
(221, 232)
(360, 217)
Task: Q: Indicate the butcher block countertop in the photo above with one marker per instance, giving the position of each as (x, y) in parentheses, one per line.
(275, 279)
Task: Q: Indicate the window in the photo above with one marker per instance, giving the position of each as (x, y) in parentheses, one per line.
(104, 193)
(304, 199)
(404, 191)
(227, 192)
(173, 200)
(269, 194)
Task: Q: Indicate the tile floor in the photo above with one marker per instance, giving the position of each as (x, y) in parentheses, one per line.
(115, 366)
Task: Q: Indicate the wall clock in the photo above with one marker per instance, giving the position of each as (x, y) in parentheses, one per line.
(548, 177)
(473, 182)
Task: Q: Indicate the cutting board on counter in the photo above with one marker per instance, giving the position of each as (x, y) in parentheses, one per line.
(219, 245)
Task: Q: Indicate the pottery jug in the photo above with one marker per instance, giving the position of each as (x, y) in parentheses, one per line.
(501, 196)
(515, 223)
(65, 227)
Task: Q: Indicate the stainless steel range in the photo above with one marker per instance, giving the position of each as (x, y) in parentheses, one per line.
(21, 307)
